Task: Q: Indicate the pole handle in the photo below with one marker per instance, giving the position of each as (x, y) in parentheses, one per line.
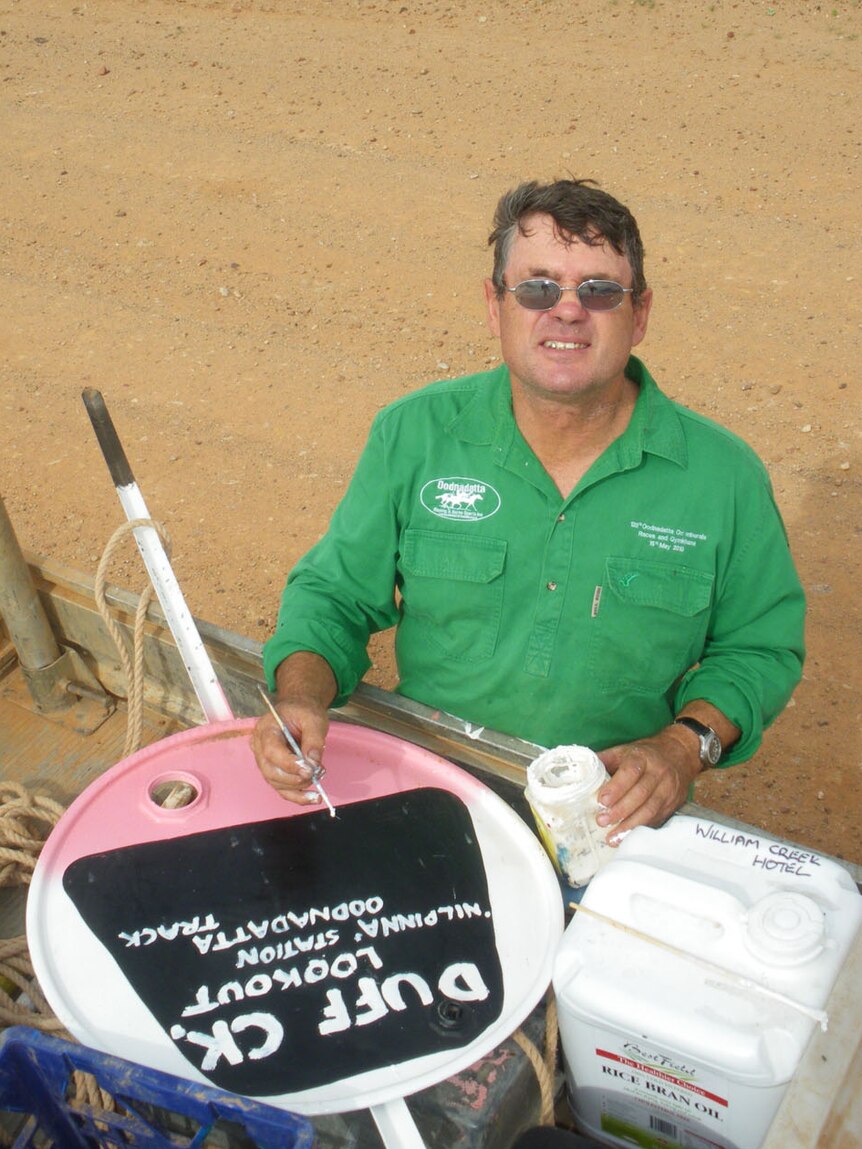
(109, 440)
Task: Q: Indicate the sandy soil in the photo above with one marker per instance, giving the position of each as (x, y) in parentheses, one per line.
(250, 224)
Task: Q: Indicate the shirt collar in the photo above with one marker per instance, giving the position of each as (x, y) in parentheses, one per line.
(654, 427)
(487, 418)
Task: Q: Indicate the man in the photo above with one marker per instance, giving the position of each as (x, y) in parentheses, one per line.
(568, 555)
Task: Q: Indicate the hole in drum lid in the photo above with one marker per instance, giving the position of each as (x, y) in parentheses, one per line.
(451, 1014)
(173, 793)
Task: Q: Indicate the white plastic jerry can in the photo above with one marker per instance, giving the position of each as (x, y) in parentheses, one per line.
(691, 979)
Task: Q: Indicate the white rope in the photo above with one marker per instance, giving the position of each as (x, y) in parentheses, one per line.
(133, 667)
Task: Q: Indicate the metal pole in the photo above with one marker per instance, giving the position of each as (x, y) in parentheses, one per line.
(58, 680)
(20, 605)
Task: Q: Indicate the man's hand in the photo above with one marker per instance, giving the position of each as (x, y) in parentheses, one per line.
(277, 761)
(306, 686)
(650, 778)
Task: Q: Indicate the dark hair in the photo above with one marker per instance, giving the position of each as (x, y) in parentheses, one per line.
(578, 208)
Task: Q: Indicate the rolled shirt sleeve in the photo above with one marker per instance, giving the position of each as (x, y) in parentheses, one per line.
(343, 589)
(755, 646)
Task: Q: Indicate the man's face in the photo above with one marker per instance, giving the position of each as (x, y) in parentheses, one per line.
(568, 352)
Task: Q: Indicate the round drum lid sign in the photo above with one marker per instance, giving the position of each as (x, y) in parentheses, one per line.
(318, 963)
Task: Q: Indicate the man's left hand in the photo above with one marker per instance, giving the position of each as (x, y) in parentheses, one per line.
(650, 779)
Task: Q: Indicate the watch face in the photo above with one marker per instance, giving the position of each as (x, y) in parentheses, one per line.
(711, 748)
(710, 743)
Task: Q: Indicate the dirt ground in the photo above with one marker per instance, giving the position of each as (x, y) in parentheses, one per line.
(251, 223)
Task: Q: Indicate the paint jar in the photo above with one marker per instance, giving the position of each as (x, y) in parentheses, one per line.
(562, 791)
(691, 980)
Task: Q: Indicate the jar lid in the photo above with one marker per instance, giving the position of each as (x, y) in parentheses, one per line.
(566, 773)
(785, 929)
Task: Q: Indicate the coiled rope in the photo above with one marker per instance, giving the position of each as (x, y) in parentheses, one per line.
(132, 664)
(544, 1066)
(26, 821)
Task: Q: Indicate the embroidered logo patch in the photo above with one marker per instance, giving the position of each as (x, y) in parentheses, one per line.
(457, 498)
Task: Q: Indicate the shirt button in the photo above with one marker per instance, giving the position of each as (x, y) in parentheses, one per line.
(561, 518)
(552, 586)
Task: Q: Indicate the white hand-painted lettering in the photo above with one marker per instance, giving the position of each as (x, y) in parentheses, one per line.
(343, 966)
(391, 990)
(384, 926)
(273, 1033)
(283, 951)
(371, 1000)
(149, 935)
(290, 953)
(463, 982)
(206, 934)
(460, 981)
(220, 1043)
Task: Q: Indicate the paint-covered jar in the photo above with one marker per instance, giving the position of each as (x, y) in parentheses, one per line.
(563, 785)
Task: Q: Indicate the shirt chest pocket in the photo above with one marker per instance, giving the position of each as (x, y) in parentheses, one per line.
(452, 592)
(650, 626)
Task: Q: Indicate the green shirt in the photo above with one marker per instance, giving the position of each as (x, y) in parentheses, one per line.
(664, 576)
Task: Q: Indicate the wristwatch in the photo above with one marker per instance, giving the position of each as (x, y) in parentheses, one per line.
(710, 743)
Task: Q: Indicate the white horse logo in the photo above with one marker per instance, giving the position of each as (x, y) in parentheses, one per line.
(460, 498)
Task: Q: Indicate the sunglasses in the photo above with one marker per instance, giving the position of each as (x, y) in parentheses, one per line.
(594, 294)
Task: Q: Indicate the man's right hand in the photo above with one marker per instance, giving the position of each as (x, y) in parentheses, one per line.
(305, 688)
(276, 760)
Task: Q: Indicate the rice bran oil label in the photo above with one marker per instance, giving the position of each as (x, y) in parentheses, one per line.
(659, 1102)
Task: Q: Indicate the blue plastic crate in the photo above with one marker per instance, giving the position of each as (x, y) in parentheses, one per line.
(158, 1111)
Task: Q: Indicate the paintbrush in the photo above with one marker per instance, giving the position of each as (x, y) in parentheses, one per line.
(316, 771)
